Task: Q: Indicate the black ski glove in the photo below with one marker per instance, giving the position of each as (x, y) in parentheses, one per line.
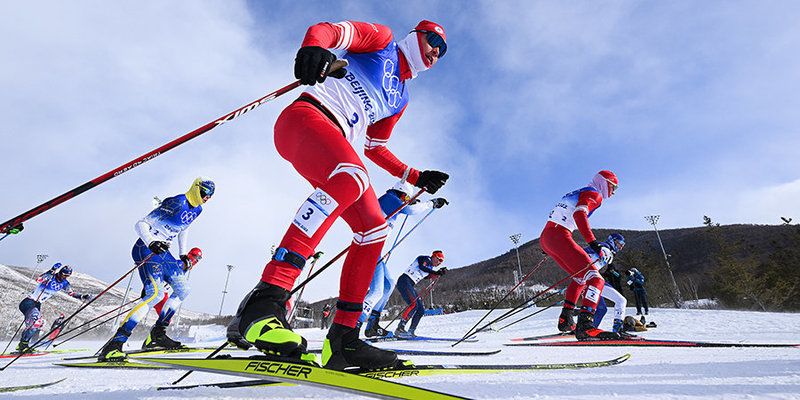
(431, 181)
(598, 249)
(441, 271)
(158, 247)
(440, 202)
(86, 296)
(312, 64)
(188, 263)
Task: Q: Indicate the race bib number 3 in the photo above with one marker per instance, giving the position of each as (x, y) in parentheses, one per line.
(314, 211)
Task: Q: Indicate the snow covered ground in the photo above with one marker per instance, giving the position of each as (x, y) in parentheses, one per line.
(730, 373)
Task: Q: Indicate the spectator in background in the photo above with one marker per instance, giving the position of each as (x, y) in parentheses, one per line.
(326, 313)
(636, 284)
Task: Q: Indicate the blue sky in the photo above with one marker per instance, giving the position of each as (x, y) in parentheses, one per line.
(694, 105)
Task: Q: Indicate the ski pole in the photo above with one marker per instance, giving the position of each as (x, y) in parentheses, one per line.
(213, 353)
(397, 243)
(81, 308)
(316, 257)
(399, 231)
(55, 332)
(411, 306)
(312, 276)
(13, 231)
(507, 294)
(522, 306)
(385, 257)
(561, 291)
(124, 298)
(39, 259)
(88, 329)
(5, 227)
(421, 295)
(516, 309)
(39, 296)
(343, 252)
(95, 319)
(534, 313)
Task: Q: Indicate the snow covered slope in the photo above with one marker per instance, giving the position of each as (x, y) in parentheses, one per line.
(653, 373)
(16, 284)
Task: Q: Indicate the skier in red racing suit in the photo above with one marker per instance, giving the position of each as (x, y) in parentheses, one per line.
(320, 134)
(573, 211)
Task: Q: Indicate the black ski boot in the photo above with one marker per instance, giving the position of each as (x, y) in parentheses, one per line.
(112, 351)
(585, 330)
(261, 322)
(158, 339)
(566, 323)
(23, 347)
(343, 349)
(373, 328)
(400, 331)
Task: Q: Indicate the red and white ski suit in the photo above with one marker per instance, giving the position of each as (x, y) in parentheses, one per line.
(319, 134)
(556, 240)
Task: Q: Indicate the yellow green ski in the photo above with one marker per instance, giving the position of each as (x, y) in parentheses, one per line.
(428, 370)
(125, 364)
(295, 372)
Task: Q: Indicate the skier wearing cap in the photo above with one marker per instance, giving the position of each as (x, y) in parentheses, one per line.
(573, 212)
(421, 268)
(382, 285)
(157, 266)
(321, 135)
(47, 285)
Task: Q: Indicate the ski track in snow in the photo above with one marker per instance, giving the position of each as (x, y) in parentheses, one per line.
(663, 373)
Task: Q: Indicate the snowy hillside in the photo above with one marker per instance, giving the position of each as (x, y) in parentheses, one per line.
(653, 373)
(16, 284)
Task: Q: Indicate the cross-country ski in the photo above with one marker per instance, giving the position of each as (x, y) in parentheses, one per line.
(429, 370)
(8, 389)
(650, 343)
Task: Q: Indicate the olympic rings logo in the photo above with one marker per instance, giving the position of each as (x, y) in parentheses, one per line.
(187, 217)
(323, 199)
(390, 83)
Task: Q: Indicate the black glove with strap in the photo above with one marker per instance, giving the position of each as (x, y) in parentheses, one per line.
(598, 249)
(158, 246)
(441, 271)
(440, 202)
(431, 181)
(312, 64)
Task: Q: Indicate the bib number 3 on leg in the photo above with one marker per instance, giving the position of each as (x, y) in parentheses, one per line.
(314, 211)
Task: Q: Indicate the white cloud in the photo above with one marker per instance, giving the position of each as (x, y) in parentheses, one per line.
(694, 107)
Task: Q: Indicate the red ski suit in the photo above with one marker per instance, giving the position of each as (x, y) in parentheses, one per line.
(556, 240)
(316, 146)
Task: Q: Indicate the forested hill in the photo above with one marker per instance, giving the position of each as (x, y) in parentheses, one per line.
(744, 266)
(755, 267)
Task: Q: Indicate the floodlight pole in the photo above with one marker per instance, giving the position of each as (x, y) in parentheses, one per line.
(515, 238)
(653, 220)
(225, 290)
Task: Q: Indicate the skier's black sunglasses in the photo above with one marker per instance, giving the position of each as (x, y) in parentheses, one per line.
(435, 40)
